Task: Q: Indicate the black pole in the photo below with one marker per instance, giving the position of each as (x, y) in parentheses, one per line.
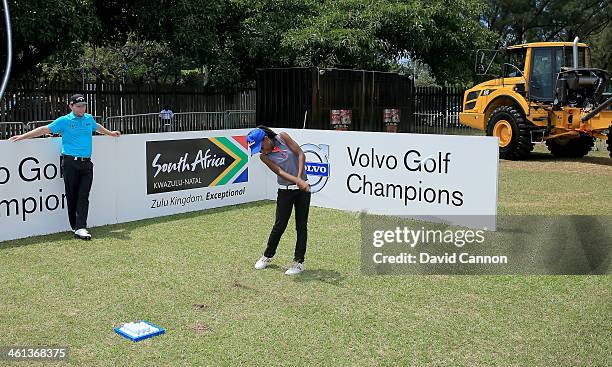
(598, 109)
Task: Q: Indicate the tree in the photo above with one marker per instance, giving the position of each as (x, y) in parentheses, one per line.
(43, 28)
(601, 51)
(520, 21)
(192, 29)
(254, 40)
(373, 34)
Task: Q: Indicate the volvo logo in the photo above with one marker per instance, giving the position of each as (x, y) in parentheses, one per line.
(317, 165)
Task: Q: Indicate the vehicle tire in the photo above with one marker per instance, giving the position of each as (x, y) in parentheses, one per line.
(575, 147)
(510, 127)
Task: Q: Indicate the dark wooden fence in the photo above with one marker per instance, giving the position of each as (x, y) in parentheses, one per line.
(285, 98)
(290, 97)
(27, 102)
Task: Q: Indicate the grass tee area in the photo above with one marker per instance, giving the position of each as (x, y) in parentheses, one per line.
(193, 275)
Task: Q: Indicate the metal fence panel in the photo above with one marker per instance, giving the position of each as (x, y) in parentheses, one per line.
(240, 119)
(152, 123)
(11, 128)
(436, 111)
(183, 121)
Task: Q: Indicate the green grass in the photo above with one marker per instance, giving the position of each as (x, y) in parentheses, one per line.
(193, 274)
(545, 185)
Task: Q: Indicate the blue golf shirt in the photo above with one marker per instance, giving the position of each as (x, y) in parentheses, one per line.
(76, 133)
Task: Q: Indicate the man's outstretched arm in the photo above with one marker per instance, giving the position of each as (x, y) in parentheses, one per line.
(39, 131)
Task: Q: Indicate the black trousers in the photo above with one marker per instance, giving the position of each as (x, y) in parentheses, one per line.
(286, 200)
(78, 177)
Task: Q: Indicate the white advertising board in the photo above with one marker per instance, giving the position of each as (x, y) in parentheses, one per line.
(135, 177)
(434, 177)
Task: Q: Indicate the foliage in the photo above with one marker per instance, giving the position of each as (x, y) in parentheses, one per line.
(601, 50)
(520, 21)
(48, 28)
(228, 40)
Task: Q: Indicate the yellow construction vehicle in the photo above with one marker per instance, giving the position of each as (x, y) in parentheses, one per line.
(548, 93)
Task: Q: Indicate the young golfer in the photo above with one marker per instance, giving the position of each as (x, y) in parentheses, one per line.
(285, 158)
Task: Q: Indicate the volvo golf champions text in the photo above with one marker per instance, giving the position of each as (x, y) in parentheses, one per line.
(412, 161)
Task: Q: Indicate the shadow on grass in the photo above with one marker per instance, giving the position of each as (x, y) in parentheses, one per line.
(321, 275)
(122, 231)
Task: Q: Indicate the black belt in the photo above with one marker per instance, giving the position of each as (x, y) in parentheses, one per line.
(73, 158)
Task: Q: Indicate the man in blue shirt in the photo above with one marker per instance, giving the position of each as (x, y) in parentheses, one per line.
(166, 116)
(76, 129)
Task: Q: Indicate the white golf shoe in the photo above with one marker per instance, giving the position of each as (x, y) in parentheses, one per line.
(82, 234)
(263, 262)
(295, 268)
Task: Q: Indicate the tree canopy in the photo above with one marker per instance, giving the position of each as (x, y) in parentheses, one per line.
(223, 42)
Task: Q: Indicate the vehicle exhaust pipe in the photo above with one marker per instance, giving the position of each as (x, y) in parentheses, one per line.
(575, 53)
